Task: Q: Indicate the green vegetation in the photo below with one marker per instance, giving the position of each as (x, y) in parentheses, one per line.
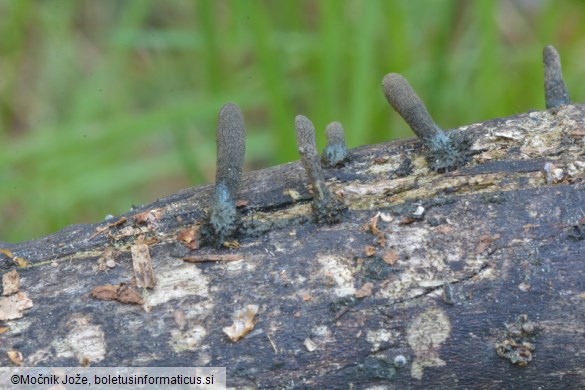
(105, 104)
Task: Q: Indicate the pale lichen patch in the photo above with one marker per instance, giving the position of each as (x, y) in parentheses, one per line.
(412, 239)
(407, 285)
(320, 336)
(421, 265)
(425, 335)
(194, 311)
(188, 339)
(177, 283)
(393, 163)
(39, 356)
(487, 274)
(239, 265)
(379, 337)
(340, 272)
(379, 169)
(279, 216)
(85, 341)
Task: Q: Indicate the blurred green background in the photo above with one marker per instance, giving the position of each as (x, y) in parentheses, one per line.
(105, 104)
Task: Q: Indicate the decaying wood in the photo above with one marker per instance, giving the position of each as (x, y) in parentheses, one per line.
(468, 279)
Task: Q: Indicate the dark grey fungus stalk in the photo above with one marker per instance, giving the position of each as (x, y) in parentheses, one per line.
(222, 220)
(335, 153)
(326, 208)
(555, 91)
(445, 151)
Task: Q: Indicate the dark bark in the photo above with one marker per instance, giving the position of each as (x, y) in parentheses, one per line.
(457, 264)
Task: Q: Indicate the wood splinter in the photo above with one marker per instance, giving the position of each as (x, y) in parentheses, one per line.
(222, 221)
(555, 91)
(212, 258)
(326, 208)
(445, 151)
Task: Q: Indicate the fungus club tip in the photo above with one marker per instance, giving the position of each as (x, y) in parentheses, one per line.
(555, 91)
(445, 151)
(334, 132)
(231, 147)
(307, 147)
(335, 153)
(406, 102)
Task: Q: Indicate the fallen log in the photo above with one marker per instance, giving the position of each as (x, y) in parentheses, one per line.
(471, 278)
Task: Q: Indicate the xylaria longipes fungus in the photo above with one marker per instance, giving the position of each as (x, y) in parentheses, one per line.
(446, 151)
(222, 220)
(555, 91)
(335, 153)
(326, 207)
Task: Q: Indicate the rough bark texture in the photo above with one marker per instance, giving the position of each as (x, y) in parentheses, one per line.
(470, 279)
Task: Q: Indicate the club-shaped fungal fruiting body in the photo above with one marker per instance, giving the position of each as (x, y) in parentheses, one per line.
(445, 151)
(335, 153)
(326, 208)
(555, 91)
(222, 219)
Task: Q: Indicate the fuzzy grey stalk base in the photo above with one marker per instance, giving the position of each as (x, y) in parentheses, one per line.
(222, 220)
(326, 208)
(445, 151)
(555, 91)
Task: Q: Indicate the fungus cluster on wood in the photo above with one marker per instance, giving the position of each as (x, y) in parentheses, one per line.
(444, 151)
